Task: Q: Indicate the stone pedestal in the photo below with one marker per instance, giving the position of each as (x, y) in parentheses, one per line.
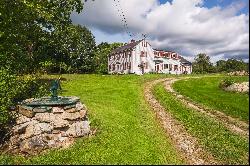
(38, 128)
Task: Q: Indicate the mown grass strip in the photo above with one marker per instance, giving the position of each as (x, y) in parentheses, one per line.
(207, 92)
(225, 146)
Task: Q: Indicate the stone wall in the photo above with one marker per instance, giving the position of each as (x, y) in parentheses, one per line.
(238, 73)
(239, 87)
(40, 128)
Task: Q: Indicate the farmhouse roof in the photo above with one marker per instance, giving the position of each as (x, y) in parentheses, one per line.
(184, 61)
(126, 47)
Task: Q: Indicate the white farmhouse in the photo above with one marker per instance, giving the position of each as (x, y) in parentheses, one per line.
(139, 57)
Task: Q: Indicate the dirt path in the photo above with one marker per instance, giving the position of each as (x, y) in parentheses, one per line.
(186, 144)
(232, 124)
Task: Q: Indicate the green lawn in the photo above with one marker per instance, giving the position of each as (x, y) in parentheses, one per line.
(207, 92)
(225, 146)
(127, 131)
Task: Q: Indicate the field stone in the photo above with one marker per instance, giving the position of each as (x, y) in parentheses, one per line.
(20, 128)
(57, 110)
(22, 119)
(67, 142)
(44, 117)
(80, 106)
(78, 129)
(71, 116)
(83, 113)
(71, 110)
(36, 129)
(56, 131)
(35, 143)
(58, 122)
(26, 111)
(52, 143)
(14, 140)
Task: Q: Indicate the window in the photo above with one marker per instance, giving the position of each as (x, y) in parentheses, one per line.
(142, 54)
(175, 67)
(129, 65)
(109, 67)
(146, 54)
(146, 65)
(113, 67)
(165, 66)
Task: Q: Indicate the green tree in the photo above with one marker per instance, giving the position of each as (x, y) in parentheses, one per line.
(221, 66)
(247, 66)
(26, 28)
(71, 51)
(235, 65)
(101, 56)
(202, 64)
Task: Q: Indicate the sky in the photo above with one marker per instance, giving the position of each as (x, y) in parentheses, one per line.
(219, 28)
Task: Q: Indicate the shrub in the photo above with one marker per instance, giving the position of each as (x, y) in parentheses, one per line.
(226, 82)
(13, 89)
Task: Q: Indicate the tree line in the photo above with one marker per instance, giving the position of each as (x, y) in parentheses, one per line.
(202, 64)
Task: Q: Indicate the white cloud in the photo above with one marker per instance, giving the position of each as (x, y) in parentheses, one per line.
(184, 26)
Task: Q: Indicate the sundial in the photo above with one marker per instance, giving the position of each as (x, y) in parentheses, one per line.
(54, 99)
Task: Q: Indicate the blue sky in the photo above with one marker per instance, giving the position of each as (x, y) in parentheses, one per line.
(221, 3)
(219, 28)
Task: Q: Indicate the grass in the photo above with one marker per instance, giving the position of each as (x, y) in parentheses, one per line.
(207, 92)
(127, 131)
(225, 146)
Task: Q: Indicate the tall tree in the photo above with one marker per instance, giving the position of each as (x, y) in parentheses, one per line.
(26, 28)
(101, 56)
(235, 65)
(202, 64)
(221, 66)
(71, 51)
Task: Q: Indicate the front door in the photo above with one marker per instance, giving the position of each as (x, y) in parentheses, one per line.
(157, 68)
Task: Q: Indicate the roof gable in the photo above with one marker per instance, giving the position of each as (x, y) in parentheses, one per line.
(126, 47)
